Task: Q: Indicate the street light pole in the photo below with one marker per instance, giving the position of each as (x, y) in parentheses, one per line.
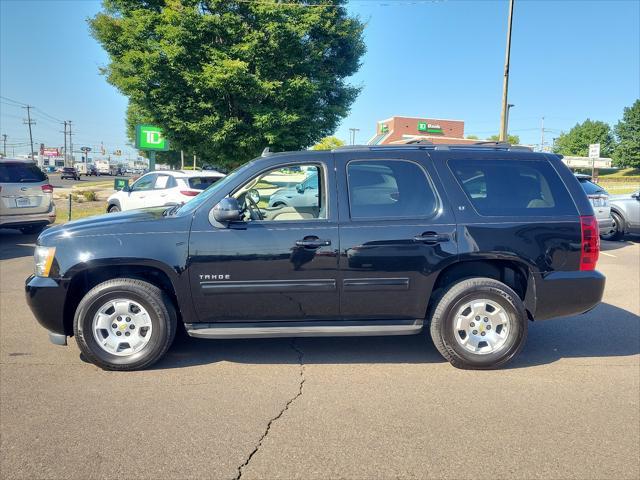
(509, 105)
(505, 85)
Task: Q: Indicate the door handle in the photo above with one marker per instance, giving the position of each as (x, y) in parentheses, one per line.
(431, 238)
(313, 243)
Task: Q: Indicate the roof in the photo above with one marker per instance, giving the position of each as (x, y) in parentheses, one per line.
(190, 173)
(16, 160)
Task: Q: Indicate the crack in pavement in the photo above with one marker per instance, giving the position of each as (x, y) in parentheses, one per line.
(274, 419)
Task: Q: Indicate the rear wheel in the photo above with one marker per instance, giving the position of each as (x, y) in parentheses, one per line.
(479, 323)
(124, 324)
(617, 229)
(113, 209)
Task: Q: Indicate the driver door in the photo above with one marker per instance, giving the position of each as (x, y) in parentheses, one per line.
(137, 195)
(280, 263)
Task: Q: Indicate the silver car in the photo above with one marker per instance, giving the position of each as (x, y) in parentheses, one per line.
(599, 199)
(304, 194)
(625, 212)
(26, 197)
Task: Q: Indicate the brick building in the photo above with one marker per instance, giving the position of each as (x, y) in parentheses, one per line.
(397, 130)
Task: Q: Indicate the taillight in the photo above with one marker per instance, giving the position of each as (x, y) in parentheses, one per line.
(590, 245)
(47, 188)
(190, 193)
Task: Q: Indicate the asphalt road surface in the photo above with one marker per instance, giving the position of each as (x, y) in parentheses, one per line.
(568, 407)
(57, 182)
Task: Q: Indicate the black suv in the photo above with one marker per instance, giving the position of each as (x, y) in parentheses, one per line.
(69, 172)
(470, 242)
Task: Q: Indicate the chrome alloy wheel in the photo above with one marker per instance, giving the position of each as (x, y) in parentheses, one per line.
(482, 326)
(121, 327)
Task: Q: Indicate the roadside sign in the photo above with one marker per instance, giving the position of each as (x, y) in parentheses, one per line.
(149, 137)
(120, 183)
(85, 149)
(594, 150)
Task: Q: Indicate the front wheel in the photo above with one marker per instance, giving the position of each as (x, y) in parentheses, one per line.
(479, 323)
(113, 209)
(124, 324)
(617, 229)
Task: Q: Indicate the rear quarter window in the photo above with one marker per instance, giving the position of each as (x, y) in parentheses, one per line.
(20, 173)
(201, 183)
(513, 187)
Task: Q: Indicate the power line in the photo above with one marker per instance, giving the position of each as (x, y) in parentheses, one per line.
(30, 122)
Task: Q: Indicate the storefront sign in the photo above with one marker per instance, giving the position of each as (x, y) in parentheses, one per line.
(429, 127)
(149, 137)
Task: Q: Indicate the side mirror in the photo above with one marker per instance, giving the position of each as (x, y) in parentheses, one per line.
(227, 210)
(300, 188)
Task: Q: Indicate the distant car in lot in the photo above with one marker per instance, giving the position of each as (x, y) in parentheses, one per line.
(92, 171)
(69, 172)
(303, 194)
(599, 199)
(625, 214)
(155, 189)
(26, 197)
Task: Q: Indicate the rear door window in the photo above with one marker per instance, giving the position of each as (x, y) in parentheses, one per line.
(389, 189)
(513, 187)
(591, 188)
(20, 173)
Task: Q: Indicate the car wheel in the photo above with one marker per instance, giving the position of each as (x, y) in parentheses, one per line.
(617, 229)
(32, 229)
(478, 323)
(279, 204)
(124, 324)
(113, 209)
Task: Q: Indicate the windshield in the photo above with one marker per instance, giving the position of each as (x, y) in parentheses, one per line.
(192, 205)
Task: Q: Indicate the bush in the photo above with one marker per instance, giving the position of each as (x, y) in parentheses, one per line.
(90, 195)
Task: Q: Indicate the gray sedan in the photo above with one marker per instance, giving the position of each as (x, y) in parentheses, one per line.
(625, 212)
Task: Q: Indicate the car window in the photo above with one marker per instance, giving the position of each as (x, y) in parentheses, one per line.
(512, 187)
(161, 182)
(200, 183)
(389, 189)
(144, 183)
(289, 193)
(20, 173)
(591, 188)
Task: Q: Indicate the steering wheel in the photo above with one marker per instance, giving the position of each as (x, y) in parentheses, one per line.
(253, 208)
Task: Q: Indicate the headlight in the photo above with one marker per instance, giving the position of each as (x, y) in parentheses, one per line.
(43, 257)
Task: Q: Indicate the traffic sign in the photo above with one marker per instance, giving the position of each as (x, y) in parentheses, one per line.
(149, 137)
(594, 150)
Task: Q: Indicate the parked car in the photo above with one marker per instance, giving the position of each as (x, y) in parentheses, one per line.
(26, 197)
(168, 187)
(469, 242)
(625, 215)
(303, 194)
(599, 199)
(70, 172)
(92, 171)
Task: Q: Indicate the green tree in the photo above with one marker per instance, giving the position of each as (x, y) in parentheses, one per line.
(226, 78)
(328, 143)
(627, 130)
(577, 140)
(472, 137)
(512, 139)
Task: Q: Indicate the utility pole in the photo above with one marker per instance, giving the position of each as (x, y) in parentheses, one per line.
(352, 135)
(65, 143)
(181, 159)
(509, 105)
(505, 85)
(4, 144)
(194, 161)
(542, 136)
(70, 144)
(29, 122)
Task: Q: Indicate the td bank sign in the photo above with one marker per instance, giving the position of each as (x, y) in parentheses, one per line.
(149, 137)
(429, 127)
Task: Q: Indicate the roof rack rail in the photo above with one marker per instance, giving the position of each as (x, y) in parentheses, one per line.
(495, 143)
(419, 142)
(266, 152)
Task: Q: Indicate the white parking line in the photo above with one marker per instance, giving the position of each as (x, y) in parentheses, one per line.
(608, 254)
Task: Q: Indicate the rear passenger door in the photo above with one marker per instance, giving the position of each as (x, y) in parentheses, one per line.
(396, 233)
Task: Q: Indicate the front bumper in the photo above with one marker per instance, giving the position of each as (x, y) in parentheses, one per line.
(559, 294)
(46, 298)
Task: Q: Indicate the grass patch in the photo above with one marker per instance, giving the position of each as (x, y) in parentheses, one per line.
(619, 188)
(78, 210)
(619, 173)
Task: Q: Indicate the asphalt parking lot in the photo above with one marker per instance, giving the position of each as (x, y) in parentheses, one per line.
(568, 407)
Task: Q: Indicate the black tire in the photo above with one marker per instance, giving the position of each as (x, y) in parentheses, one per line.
(32, 229)
(617, 231)
(160, 311)
(443, 314)
(113, 209)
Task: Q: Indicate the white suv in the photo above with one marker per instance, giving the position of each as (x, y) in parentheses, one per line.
(164, 187)
(26, 197)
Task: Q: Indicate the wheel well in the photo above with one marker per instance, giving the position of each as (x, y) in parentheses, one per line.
(85, 280)
(510, 273)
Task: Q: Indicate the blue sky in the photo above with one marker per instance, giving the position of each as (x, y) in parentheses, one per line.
(441, 59)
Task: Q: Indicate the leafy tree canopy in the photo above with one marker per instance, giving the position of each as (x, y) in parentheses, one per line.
(226, 78)
(472, 137)
(627, 152)
(512, 139)
(328, 143)
(577, 140)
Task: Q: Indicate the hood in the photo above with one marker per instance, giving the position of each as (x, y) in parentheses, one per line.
(148, 220)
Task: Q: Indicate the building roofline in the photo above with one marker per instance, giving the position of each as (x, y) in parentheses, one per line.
(421, 118)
